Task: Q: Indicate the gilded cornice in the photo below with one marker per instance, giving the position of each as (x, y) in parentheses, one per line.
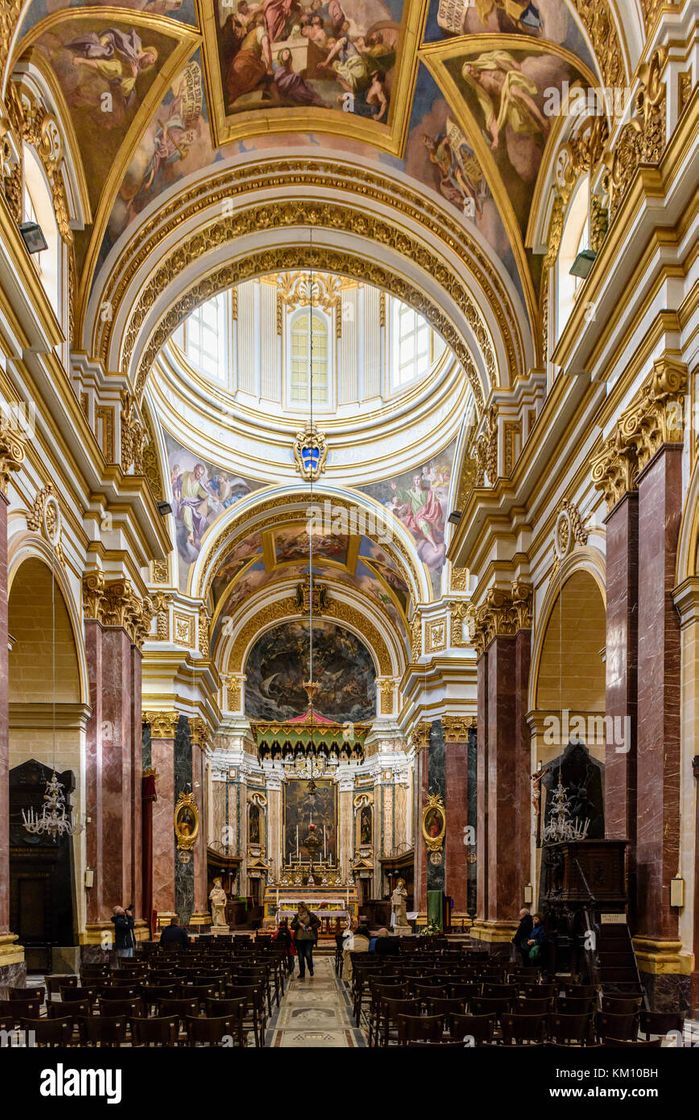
(654, 418)
(281, 175)
(163, 725)
(227, 229)
(503, 614)
(12, 450)
(115, 603)
(456, 728)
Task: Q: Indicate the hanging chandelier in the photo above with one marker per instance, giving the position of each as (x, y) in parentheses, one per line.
(310, 745)
(53, 821)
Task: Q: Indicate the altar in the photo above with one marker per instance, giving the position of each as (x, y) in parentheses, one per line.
(332, 905)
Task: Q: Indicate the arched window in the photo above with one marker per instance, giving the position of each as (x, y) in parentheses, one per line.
(414, 346)
(307, 329)
(204, 337)
(574, 238)
(37, 206)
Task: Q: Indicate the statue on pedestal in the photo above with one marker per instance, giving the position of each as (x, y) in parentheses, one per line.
(399, 917)
(217, 898)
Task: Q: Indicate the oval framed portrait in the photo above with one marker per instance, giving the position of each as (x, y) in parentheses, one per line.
(186, 821)
(434, 823)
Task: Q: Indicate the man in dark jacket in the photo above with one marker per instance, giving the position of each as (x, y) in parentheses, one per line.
(305, 926)
(124, 939)
(385, 944)
(174, 936)
(521, 937)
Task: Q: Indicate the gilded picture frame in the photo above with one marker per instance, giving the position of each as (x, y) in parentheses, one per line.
(434, 823)
(186, 822)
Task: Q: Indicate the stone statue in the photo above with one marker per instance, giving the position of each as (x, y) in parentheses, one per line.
(399, 917)
(217, 898)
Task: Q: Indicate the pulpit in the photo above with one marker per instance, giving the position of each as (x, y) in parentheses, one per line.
(584, 874)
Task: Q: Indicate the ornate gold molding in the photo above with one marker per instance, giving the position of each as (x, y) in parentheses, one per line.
(419, 737)
(114, 603)
(199, 732)
(34, 125)
(386, 692)
(159, 571)
(163, 725)
(459, 579)
(485, 450)
(161, 606)
(45, 517)
(569, 531)
(416, 637)
(654, 418)
(642, 139)
(503, 613)
(461, 613)
(133, 435)
(281, 174)
(204, 632)
(435, 635)
(599, 24)
(12, 449)
(233, 684)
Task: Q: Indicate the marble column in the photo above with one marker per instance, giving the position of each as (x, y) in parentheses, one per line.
(621, 678)
(12, 968)
(503, 769)
(184, 870)
(658, 764)
(275, 830)
(162, 760)
(115, 626)
(456, 731)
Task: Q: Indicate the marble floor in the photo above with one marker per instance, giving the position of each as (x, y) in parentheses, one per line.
(315, 1012)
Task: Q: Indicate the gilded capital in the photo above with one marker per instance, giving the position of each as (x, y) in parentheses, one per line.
(199, 732)
(115, 603)
(163, 725)
(12, 447)
(614, 469)
(456, 728)
(503, 614)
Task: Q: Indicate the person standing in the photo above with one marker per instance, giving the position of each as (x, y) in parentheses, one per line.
(522, 935)
(283, 936)
(537, 943)
(305, 925)
(124, 939)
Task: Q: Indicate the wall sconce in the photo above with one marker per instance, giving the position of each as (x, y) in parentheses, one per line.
(677, 892)
(529, 894)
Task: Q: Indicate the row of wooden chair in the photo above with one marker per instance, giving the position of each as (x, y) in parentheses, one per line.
(222, 1030)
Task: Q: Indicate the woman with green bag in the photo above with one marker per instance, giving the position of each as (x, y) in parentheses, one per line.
(537, 941)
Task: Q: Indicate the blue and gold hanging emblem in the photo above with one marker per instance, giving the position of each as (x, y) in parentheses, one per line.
(310, 453)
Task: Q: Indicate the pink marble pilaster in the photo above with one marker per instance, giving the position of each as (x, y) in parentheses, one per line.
(658, 761)
(421, 785)
(482, 788)
(201, 903)
(163, 761)
(137, 785)
(117, 734)
(93, 772)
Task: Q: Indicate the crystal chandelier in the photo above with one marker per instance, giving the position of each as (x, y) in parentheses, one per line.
(53, 820)
(560, 826)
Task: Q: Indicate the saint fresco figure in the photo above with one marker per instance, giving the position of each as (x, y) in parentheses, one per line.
(194, 503)
(460, 177)
(505, 95)
(118, 57)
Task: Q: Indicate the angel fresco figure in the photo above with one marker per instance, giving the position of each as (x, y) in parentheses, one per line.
(505, 95)
(118, 57)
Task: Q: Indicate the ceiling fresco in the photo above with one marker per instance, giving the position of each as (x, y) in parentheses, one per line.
(448, 93)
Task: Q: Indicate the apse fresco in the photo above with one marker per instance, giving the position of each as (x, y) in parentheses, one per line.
(439, 155)
(200, 494)
(381, 562)
(546, 19)
(322, 54)
(293, 543)
(505, 92)
(419, 499)
(306, 804)
(176, 142)
(278, 665)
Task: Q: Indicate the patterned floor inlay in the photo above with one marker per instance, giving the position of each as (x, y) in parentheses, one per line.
(315, 1012)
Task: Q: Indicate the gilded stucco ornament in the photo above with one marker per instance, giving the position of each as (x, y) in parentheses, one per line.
(12, 450)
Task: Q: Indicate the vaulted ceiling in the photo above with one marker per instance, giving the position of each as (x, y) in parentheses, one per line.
(454, 98)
